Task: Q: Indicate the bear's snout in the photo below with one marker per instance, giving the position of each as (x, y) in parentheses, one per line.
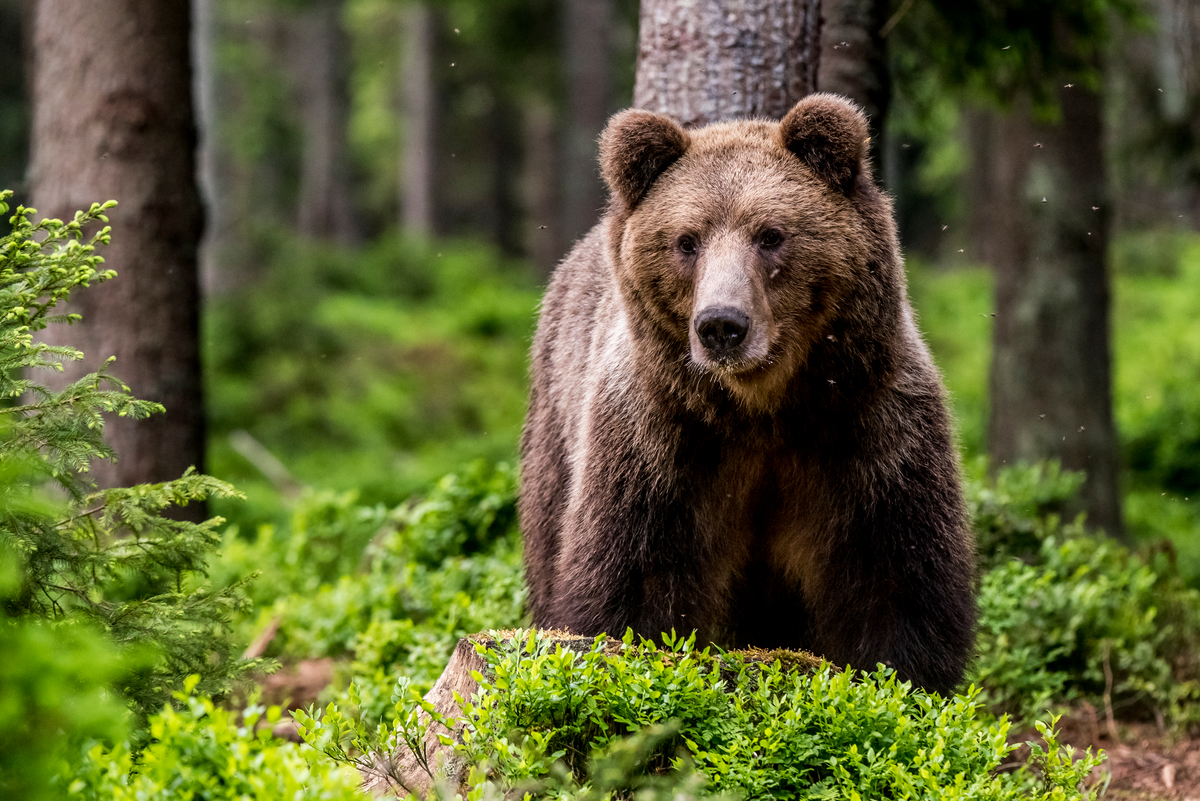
(722, 330)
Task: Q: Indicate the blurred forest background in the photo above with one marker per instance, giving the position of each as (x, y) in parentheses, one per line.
(387, 185)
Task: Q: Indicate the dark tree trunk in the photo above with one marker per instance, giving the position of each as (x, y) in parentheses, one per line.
(14, 108)
(544, 241)
(112, 118)
(854, 58)
(419, 122)
(318, 58)
(205, 96)
(505, 140)
(703, 60)
(587, 35)
(1051, 392)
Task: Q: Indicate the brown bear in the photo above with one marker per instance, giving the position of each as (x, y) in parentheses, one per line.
(734, 425)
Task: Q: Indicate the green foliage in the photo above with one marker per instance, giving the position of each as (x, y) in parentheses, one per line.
(202, 751)
(375, 371)
(437, 568)
(54, 691)
(1089, 622)
(1067, 619)
(1015, 513)
(1004, 50)
(107, 560)
(556, 722)
(954, 313)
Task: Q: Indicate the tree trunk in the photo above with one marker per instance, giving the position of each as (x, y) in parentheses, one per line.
(418, 156)
(505, 142)
(544, 241)
(1051, 392)
(318, 52)
(14, 122)
(587, 35)
(854, 59)
(205, 98)
(112, 118)
(701, 61)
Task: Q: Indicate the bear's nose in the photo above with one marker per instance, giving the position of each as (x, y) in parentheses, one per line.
(722, 329)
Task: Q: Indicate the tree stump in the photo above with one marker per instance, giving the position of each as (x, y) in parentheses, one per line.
(400, 771)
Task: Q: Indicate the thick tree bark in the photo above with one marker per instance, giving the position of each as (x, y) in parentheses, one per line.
(701, 61)
(112, 118)
(854, 58)
(318, 52)
(418, 154)
(587, 35)
(1051, 367)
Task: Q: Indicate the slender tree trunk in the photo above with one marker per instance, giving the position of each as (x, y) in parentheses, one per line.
(318, 57)
(854, 58)
(587, 35)
(14, 85)
(418, 156)
(205, 98)
(1051, 376)
(707, 60)
(505, 141)
(544, 243)
(112, 118)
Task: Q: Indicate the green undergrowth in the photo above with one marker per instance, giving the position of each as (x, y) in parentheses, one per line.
(199, 750)
(105, 610)
(387, 591)
(1156, 369)
(373, 370)
(1069, 620)
(553, 722)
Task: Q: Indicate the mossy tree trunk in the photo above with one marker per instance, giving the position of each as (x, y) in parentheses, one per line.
(112, 118)
(1051, 376)
(702, 61)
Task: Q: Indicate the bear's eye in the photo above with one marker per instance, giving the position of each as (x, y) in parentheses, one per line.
(770, 238)
(686, 244)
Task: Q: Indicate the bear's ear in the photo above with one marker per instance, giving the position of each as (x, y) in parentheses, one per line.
(828, 133)
(635, 148)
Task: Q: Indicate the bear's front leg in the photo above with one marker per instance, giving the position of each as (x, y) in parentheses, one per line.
(896, 582)
(631, 553)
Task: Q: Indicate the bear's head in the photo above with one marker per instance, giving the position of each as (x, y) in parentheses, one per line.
(742, 247)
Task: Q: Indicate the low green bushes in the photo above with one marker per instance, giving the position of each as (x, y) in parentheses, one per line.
(203, 752)
(1068, 619)
(552, 722)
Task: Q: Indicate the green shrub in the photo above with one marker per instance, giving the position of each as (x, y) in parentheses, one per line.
(436, 568)
(555, 722)
(109, 558)
(202, 751)
(1015, 512)
(55, 681)
(1087, 622)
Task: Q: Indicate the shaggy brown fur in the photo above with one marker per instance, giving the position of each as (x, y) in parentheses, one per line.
(793, 485)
